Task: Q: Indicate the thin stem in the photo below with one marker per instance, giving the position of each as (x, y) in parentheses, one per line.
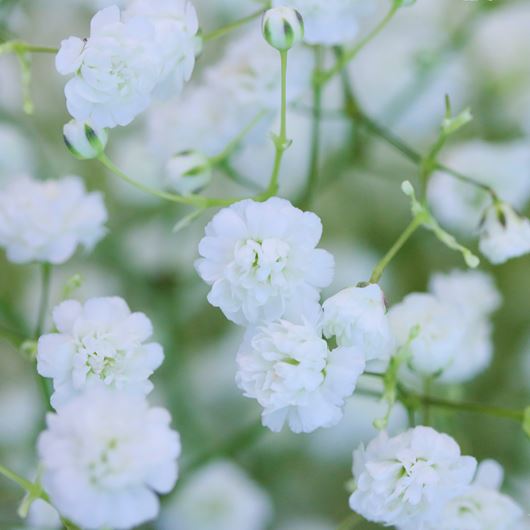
(312, 179)
(220, 32)
(14, 477)
(425, 402)
(234, 143)
(40, 49)
(352, 521)
(403, 238)
(46, 273)
(18, 47)
(349, 55)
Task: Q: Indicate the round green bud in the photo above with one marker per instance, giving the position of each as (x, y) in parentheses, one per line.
(283, 27)
(83, 140)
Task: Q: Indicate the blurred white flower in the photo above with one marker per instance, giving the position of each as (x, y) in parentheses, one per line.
(357, 317)
(219, 496)
(261, 260)
(43, 516)
(441, 331)
(20, 410)
(282, 27)
(250, 72)
(176, 26)
(188, 172)
(289, 369)
(474, 292)
(118, 68)
(83, 140)
(47, 220)
(104, 455)
(408, 479)
(503, 167)
(100, 343)
(16, 155)
(482, 507)
(331, 22)
(504, 234)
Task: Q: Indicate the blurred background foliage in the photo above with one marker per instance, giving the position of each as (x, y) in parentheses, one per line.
(475, 51)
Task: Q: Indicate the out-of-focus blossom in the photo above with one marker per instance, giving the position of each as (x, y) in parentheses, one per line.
(261, 261)
(357, 317)
(100, 343)
(189, 172)
(47, 220)
(42, 515)
(105, 455)
(219, 496)
(408, 479)
(504, 234)
(16, 156)
(503, 167)
(290, 370)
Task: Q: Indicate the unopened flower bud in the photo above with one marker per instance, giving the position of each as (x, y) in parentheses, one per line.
(83, 140)
(283, 27)
(189, 172)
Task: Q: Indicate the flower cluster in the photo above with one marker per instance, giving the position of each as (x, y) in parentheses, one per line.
(128, 58)
(47, 220)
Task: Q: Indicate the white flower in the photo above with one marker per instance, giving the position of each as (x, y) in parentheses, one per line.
(504, 234)
(441, 331)
(219, 496)
(474, 292)
(104, 455)
(100, 343)
(83, 140)
(261, 260)
(250, 72)
(47, 220)
(16, 155)
(282, 27)
(482, 507)
(114, 71)
(189, 172)
(408, 479)
(504, 167)
(357, 317)
(44, 516)
(176, 26)
(289, 369)
(330, 22)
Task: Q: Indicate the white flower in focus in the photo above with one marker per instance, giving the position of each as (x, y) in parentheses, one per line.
(115, 70)
(408, 479)
(357, 317)
(261, 261)
(482, 507)
(474, 292)
(504, 234)
(289, 369)
(503, 167)
(176, 26)
(47, 220)
(100, 343)
(250, 72)
(105, 455)
(331, 22)
(189, 172)
(219, 496)
(441, 331)
(83, 140)
(282, 27)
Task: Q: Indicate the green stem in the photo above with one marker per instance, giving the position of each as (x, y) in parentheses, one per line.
(425, 402)
(312, 178)
(193, 200)
(349, 55)
(396, 247)
(352, 521)
(41, 49)
(18, 47)
(46, 273)
(14, 477)
(220, 32)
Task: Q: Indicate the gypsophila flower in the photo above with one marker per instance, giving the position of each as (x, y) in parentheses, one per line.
(504, 234)
(482, 507)
(408, 479)
(176, 26)
(357, 317)
(83, 140)
(441, 331)
(99, 343)
(219, 496)
(105, 455)
(47, 220)
(261, 260)
(189, 172)
(44, 516)
(329, 23)
(289, 369)
(282, 27)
